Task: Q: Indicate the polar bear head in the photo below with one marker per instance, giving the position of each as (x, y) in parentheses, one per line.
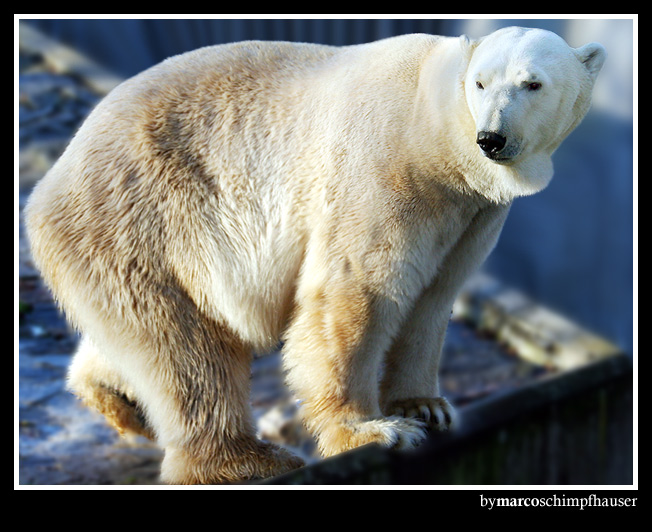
(526, 90)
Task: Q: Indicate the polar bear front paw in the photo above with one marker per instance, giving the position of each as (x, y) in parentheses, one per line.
(393, 432)
(436, 412)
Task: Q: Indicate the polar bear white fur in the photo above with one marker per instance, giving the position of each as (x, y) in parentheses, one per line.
(336, 198)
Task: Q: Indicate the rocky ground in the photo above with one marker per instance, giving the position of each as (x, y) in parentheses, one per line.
(61, 442)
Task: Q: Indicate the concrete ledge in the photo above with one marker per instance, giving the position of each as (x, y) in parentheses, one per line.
(574, 428)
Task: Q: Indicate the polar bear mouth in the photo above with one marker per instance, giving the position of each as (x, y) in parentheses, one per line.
(499, 159)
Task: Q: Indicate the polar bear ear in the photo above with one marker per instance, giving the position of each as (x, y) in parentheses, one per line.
(592, 55)
(468, 45)
(467, 42)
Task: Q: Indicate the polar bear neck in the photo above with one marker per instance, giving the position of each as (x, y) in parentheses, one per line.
(445, 134)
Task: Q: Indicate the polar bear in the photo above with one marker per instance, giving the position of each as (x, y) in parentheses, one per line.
(332, 197)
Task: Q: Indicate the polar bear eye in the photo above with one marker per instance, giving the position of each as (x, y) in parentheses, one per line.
(479, 85)
(534, 86)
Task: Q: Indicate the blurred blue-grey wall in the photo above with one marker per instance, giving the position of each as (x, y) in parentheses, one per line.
(570, 247)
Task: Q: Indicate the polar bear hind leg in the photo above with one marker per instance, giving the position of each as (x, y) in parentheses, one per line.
(191, 396)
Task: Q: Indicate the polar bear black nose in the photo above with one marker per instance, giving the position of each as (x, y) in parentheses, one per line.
(491, 143)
